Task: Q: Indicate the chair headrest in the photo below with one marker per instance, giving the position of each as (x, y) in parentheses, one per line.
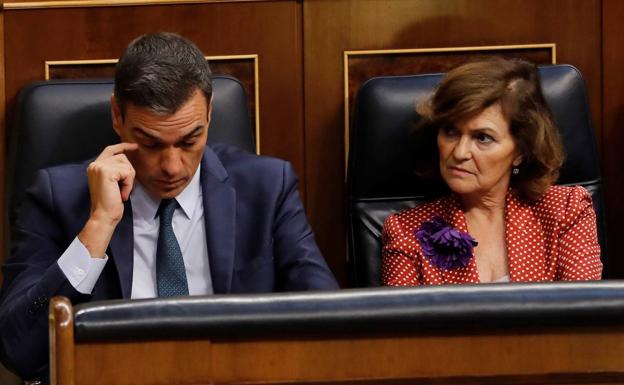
(64, 121)
(380, 161)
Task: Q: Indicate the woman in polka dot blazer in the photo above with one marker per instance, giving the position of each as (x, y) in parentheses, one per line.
(488, 142)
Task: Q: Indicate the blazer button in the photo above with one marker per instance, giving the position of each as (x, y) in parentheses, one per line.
(38, 304)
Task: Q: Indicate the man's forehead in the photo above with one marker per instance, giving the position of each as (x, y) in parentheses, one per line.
(167, 126)
(168, 133)
(197, 99)
(157, 106)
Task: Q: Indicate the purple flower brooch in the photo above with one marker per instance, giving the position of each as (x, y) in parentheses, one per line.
(445, 246)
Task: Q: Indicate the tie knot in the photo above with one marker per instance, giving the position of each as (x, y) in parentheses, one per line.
(166, 209)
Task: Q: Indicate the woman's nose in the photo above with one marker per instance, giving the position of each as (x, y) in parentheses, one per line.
(462, 149)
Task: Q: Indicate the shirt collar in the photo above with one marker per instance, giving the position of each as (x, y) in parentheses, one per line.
(146, 207)
(189, 197)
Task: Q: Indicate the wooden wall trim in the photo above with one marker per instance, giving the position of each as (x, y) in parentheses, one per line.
(28, 4)
(613, 119)
(3, 135)
(552, 46)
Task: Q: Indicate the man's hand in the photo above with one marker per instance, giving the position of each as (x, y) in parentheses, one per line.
(111, 177)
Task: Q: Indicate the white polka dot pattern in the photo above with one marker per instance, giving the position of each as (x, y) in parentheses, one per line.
(553, 239)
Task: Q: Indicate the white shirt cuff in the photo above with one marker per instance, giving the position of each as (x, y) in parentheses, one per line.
(79, 268)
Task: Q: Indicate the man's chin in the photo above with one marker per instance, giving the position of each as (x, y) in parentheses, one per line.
(169, 194)
(163, 191)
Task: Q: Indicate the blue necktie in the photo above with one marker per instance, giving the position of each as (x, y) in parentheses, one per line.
(170, 272)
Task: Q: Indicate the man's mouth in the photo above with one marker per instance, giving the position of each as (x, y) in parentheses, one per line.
(170, 183)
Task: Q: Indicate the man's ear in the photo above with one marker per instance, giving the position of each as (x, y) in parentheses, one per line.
(209, 114)
(116, 115)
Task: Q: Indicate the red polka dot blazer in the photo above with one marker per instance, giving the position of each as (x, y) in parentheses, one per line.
(550, 240)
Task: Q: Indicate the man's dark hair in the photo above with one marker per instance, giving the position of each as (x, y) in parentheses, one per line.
(161, 71)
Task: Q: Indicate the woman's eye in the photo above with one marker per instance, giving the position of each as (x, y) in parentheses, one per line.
(484, 138)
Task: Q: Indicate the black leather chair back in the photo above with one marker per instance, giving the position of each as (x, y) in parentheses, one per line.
(381, 178)
(70, 120)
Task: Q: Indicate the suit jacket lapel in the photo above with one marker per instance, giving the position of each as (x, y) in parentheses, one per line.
(521, 223)
(454, 215)
(121, 249)
(219, 199)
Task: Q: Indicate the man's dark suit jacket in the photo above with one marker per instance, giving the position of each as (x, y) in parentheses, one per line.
(258, 240)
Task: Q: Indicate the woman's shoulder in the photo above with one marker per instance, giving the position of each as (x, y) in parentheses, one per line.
(563, 202)
(563, 196)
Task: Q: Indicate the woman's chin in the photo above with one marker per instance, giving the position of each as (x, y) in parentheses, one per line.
(460, 188)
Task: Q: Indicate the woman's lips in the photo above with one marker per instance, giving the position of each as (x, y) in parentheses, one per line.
(459, 171)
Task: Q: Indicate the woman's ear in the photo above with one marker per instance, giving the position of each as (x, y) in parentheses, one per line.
(517, 161)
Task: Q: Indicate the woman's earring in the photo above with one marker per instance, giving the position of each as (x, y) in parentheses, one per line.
(515, 171)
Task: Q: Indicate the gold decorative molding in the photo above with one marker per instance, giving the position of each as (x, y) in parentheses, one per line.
(16, 5)
(493, 48)
(3, 151)
(60, 63)
(54, 63)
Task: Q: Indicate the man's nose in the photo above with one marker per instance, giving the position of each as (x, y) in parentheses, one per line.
(171, 161)
(462, 150)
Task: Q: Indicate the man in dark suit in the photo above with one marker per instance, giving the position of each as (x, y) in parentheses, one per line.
(159, 214)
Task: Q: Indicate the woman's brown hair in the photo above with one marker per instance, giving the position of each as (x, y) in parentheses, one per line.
(469, 89)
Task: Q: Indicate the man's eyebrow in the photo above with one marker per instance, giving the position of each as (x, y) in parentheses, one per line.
(144, 133)
(196, 131)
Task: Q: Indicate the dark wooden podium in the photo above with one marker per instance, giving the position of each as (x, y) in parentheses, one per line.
(490, 334)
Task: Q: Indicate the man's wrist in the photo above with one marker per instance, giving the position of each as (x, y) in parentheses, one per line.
(96, 234)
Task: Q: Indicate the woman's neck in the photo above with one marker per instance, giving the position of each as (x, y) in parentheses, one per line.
(484, 206)
(485, 219)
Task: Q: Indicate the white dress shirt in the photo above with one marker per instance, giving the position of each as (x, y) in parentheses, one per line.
(82, 271)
